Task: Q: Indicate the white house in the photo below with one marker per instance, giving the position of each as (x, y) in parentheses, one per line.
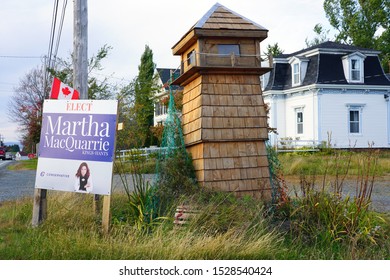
(329, 92)
(160, 105)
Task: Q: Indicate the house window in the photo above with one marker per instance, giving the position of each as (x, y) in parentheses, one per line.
(264, 80)
(299, 114)
(191, 58)
(226, 49)
(160, 109)
(296, 74)
(354, 120)
(355, 70)
(353, 66)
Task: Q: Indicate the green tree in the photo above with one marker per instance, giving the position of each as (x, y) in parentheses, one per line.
(25, 107)
(97, 88)
(321, 36)
(144, 90)
(13, 148)
(363, 23)
(273, 50)
(127, 137)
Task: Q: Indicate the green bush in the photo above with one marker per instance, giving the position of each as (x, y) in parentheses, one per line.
(175, 178)
(324, 219)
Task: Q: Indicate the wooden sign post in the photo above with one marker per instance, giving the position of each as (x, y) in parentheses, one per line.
(39, 207)
(106, 215)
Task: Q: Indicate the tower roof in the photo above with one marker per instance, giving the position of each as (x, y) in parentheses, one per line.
(220, 17)
(220, 21)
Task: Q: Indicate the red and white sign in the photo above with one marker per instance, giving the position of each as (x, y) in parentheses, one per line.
(59, 90)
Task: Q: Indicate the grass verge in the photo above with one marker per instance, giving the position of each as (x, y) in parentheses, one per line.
(226, 228)
(314, 225)
(30, 164)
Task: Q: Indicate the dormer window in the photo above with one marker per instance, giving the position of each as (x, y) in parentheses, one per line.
(353, 66)
(298, 69)
(296, 75)
(355, 70)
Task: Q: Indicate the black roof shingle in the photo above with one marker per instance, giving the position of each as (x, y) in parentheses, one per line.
(165, 76)
(326, 67)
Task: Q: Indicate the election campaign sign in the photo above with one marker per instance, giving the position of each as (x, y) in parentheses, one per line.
(77, 146)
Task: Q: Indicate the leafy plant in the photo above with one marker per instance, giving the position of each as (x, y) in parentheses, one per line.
(175, 178)
(142, 214)
(141, 196)
(322, 214)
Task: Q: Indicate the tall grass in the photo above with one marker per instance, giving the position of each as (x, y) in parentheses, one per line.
(319, 222)
(321, 216)
(325, 163)
(226, 228)
(72, 231)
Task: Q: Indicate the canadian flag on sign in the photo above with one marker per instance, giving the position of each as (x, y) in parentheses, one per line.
(59, 90)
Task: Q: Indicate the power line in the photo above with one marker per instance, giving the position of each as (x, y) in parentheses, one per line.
(21, 56)
(111, 77)
(60, 28)
(52, 54)
(52, 32)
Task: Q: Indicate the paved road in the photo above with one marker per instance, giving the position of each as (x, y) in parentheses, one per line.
(16, 184)
(21, 183)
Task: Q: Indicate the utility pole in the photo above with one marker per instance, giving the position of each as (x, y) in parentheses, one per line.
(80, 47)
(80, 60)
(80, 82)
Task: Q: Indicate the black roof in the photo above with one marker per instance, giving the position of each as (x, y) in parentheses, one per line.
(328, 45)
(165, 76)
(326, 67)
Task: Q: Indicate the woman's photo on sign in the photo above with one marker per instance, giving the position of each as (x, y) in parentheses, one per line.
(83, 180)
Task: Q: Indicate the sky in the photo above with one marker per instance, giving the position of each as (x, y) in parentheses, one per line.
(127, 26)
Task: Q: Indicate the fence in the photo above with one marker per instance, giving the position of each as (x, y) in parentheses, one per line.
(215, 60)
(143, 152)
(290, 145)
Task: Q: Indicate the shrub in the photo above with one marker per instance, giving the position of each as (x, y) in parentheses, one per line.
(175, 178)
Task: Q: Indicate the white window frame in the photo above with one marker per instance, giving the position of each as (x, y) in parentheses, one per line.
(160, 109)
(264, 79)
(296, 73)
(298, 67)
(359, 109)
(358, 121)
(353, 66)
(299, 122)
(356, 69)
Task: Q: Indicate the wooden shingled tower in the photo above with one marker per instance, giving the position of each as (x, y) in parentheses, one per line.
(224, 118)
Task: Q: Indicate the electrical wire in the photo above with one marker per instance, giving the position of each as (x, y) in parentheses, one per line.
(20, 56)
(60, 29)
(52, 32)
(54, 40)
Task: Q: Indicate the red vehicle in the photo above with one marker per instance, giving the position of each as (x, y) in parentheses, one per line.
(2, 153)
